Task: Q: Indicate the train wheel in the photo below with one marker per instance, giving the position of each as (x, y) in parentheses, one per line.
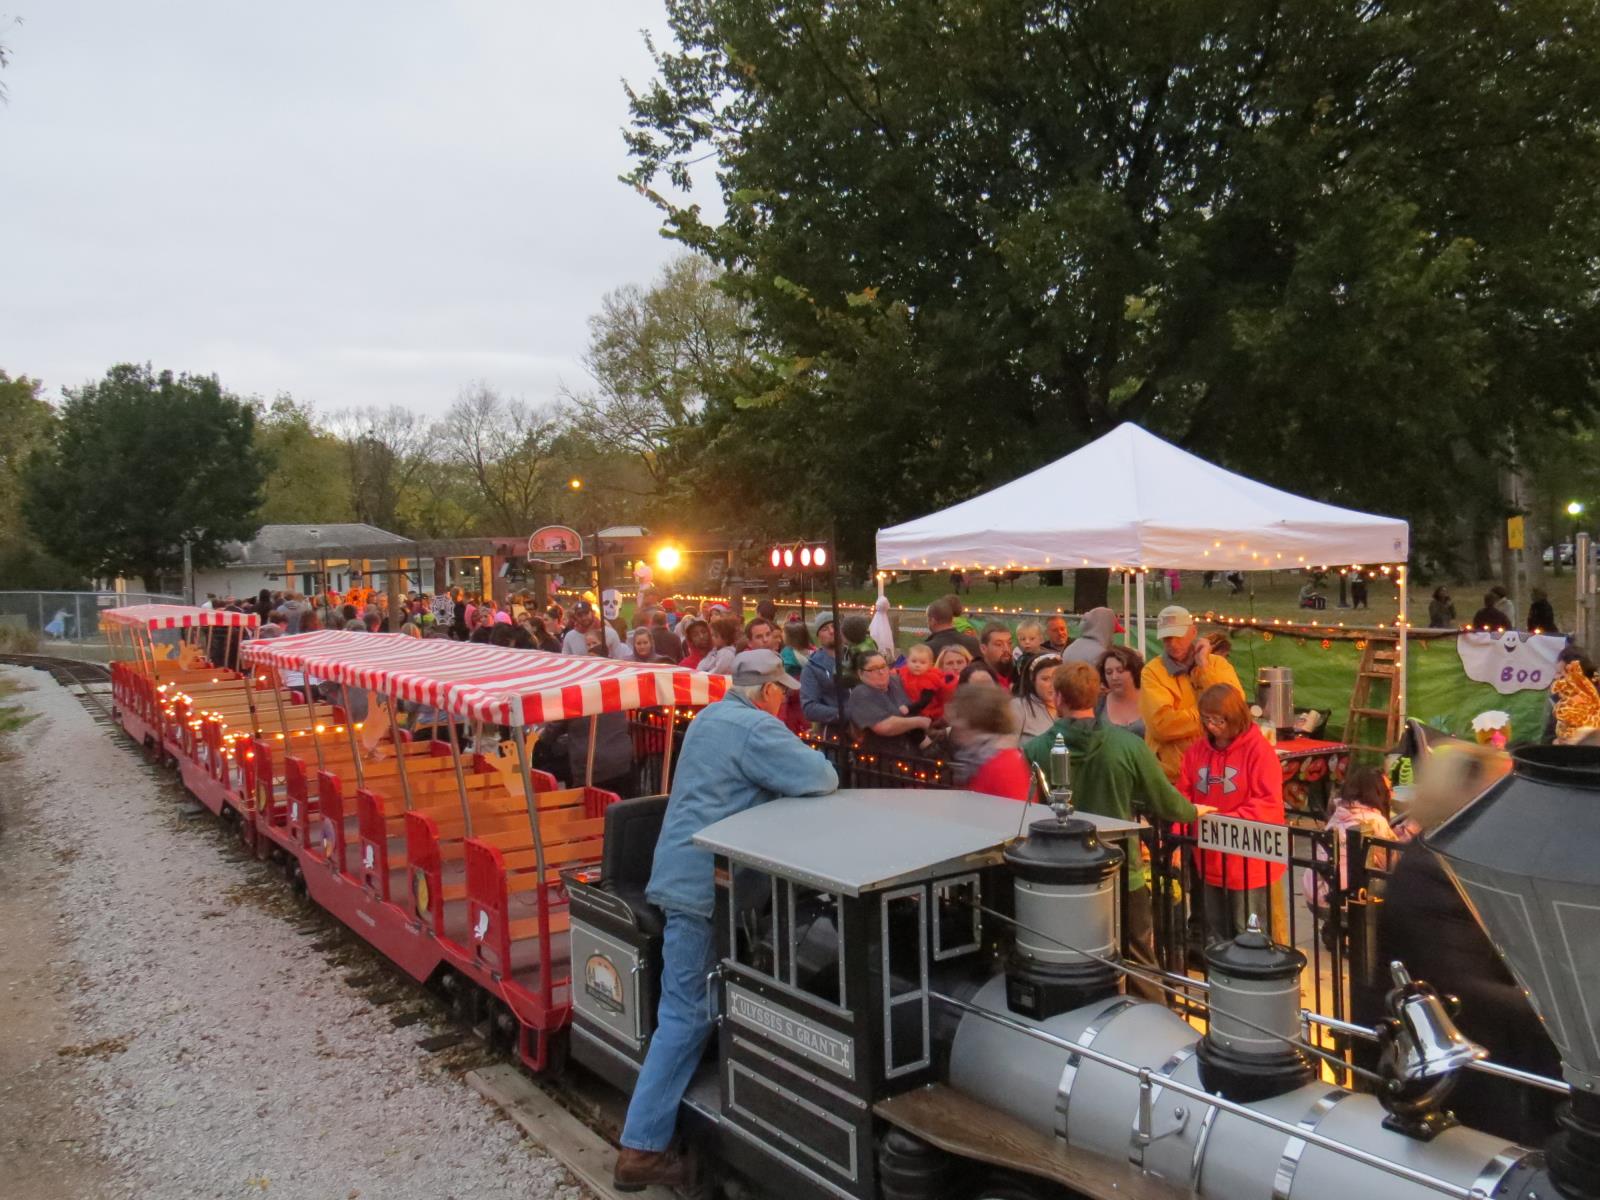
(1002, 1185)
(555, 1053)
(502, 1028)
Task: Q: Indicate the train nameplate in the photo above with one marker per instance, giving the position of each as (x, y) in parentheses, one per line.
(789, 1029)
(1245, 839)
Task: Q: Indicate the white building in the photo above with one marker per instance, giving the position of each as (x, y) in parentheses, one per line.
(302, 558)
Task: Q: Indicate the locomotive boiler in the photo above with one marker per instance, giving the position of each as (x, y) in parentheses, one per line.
(919, 995)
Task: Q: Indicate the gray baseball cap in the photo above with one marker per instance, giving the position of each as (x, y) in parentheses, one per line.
(761, 666)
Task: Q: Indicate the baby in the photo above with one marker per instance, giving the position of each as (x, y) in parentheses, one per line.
(1030, 640)
(1030, 643)
(927, 689)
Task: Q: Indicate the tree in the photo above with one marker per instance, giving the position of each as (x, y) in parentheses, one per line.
(308, 482)
(385, 451)
(139, 464)
(1302, 239)
(506, 447)
(27, 423)
(658, 356)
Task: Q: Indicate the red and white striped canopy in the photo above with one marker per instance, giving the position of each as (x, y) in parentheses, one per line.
(175, 616)
(486, 683)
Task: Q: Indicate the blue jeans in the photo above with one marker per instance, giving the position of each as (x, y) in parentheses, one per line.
(688, 952)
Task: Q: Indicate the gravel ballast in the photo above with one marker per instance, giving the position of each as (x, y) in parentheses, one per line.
(222, 1052)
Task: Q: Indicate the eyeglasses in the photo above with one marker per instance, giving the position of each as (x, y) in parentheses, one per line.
(875, 670)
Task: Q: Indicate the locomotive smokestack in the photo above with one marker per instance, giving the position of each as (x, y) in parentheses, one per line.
(1523, 855)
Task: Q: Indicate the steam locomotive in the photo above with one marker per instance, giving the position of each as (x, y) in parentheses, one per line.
(919, 996)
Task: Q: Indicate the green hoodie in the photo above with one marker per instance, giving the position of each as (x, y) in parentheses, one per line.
(1113, 772)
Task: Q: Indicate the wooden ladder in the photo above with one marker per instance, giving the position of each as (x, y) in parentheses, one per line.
(1379, 662)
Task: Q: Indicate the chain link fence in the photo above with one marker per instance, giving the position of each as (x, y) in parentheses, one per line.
(66, 617)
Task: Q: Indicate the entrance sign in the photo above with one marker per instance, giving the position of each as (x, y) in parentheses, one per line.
(555, 544)
(1247, 839)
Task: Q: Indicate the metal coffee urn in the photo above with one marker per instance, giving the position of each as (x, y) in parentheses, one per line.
(1275, 695)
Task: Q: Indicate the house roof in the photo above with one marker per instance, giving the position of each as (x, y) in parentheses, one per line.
(273, 543)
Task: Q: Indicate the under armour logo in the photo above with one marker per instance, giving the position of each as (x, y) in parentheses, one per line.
(1206, 779)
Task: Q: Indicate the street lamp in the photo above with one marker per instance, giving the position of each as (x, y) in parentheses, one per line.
(668, 558)
(575, 484)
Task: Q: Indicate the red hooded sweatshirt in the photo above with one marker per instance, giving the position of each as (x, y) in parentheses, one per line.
(942, 685)
(1242, 781)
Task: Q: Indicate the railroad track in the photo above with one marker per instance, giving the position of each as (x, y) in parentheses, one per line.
(565, 1116)
(90, 682)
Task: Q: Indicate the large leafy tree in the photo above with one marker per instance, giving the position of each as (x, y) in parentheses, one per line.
(659, 358)
(308, 482)
(27, 423)
(139, 463)
(1348, 248)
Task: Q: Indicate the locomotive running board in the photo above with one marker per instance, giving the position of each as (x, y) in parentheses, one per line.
(956, 1123)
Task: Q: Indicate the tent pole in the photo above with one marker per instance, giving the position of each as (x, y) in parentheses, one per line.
(1127, 609)
(666, 753)
(1400, 658)
(1138, 620)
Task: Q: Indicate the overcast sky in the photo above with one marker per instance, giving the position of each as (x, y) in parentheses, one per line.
(359, 202)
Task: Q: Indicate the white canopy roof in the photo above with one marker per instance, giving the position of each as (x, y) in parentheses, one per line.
(1130, 499)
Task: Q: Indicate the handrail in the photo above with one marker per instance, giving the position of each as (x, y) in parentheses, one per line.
(1146, 1077)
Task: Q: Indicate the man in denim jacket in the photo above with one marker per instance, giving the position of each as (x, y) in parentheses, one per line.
(737, 754)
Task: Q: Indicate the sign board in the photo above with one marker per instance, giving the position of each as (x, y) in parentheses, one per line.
(555, 544)
(1514, 533)
(1247, 839)
(795, 1032)
(1509, 661)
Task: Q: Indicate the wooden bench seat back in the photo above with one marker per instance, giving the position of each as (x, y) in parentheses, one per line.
(330, 840)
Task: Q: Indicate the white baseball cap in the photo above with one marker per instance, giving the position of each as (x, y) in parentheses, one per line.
(1173, 621)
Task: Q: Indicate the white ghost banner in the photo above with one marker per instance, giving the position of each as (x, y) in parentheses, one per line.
(1510, 661)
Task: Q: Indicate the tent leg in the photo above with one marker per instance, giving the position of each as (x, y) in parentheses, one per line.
(1127, 609)
(1138, 619)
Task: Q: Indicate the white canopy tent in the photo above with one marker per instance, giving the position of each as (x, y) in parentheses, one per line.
(1132, 502)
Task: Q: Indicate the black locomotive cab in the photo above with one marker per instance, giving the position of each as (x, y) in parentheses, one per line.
(837, 919)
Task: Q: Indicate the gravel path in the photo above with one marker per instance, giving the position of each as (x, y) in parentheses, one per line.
(220, 1051)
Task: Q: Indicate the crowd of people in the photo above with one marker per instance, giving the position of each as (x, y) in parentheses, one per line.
(1166, 738)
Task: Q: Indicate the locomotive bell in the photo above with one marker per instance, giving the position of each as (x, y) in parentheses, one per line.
(1066, 904)
(1249, 1050)
(1426, 1041)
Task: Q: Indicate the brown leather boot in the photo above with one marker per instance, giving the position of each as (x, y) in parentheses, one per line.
(639, 1169)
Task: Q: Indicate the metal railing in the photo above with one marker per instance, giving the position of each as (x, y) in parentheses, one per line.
(1336, 935)
(68, 616)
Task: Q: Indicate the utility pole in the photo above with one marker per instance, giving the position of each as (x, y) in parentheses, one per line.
(188, 571)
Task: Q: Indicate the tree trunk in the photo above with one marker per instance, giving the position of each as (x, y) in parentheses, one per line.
(1091, 588)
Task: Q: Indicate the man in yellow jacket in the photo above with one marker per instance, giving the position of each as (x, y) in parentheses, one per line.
(1170, 687)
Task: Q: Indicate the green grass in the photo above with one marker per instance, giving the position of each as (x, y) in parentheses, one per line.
(11, 718)
(1267, 594)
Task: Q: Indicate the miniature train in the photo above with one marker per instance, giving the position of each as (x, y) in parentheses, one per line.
(919, 993)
